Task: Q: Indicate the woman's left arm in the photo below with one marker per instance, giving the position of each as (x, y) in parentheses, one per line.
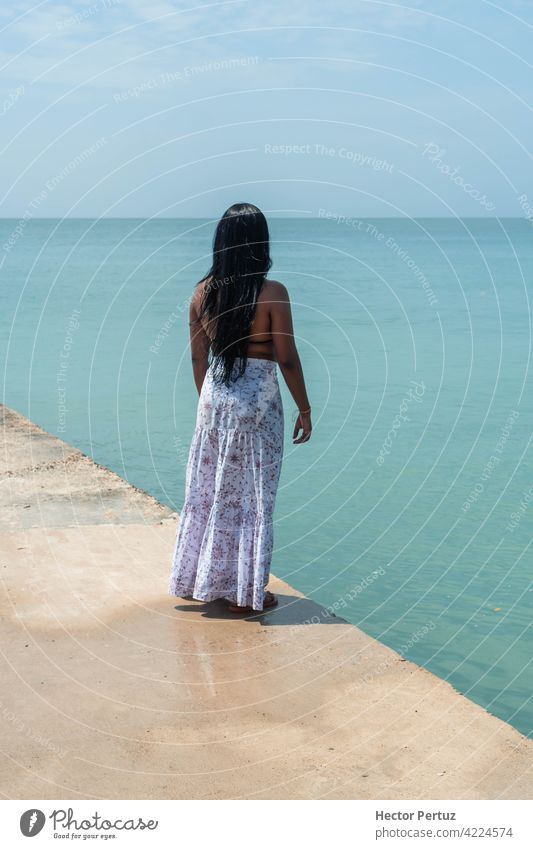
(200, 344)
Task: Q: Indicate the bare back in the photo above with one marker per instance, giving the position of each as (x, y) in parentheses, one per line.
(260, 341)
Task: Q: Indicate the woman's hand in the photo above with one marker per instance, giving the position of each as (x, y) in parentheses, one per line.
(303, 423)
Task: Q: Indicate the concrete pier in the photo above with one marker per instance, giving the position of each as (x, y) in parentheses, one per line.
(113, 689)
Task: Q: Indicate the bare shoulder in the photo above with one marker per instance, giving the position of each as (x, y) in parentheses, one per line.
(197, 295)
(274, 291)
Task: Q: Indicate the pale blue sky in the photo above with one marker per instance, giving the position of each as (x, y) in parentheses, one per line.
(354, 107)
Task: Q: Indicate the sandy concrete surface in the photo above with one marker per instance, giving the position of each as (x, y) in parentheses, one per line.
(112, 689)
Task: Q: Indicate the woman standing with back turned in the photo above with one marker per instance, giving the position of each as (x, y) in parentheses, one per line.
(240, 326)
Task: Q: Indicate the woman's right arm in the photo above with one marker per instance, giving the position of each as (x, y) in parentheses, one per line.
(288, 359)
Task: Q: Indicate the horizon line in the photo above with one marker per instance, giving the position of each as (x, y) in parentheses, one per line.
(278, 217)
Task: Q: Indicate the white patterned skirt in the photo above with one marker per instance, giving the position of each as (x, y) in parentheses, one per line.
(225, 536)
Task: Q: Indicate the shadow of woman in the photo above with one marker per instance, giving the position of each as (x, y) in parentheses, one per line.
(290, 610)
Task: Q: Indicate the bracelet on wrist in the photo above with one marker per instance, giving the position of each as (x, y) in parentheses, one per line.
(303, 412)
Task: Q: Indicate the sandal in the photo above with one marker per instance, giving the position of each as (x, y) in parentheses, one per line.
(270, 600)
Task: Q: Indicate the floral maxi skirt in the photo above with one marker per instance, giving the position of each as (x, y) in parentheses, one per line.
(224, 538)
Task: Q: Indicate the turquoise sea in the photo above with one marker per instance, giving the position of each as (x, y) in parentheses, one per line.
(410, 511)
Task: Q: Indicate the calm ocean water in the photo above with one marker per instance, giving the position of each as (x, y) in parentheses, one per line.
(410, 512)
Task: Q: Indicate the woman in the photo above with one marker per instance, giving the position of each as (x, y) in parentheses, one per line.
(240, 327)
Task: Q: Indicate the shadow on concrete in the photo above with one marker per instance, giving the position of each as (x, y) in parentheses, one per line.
(291, 610)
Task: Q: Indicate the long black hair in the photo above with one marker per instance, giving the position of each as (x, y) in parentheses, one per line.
(241, 260)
